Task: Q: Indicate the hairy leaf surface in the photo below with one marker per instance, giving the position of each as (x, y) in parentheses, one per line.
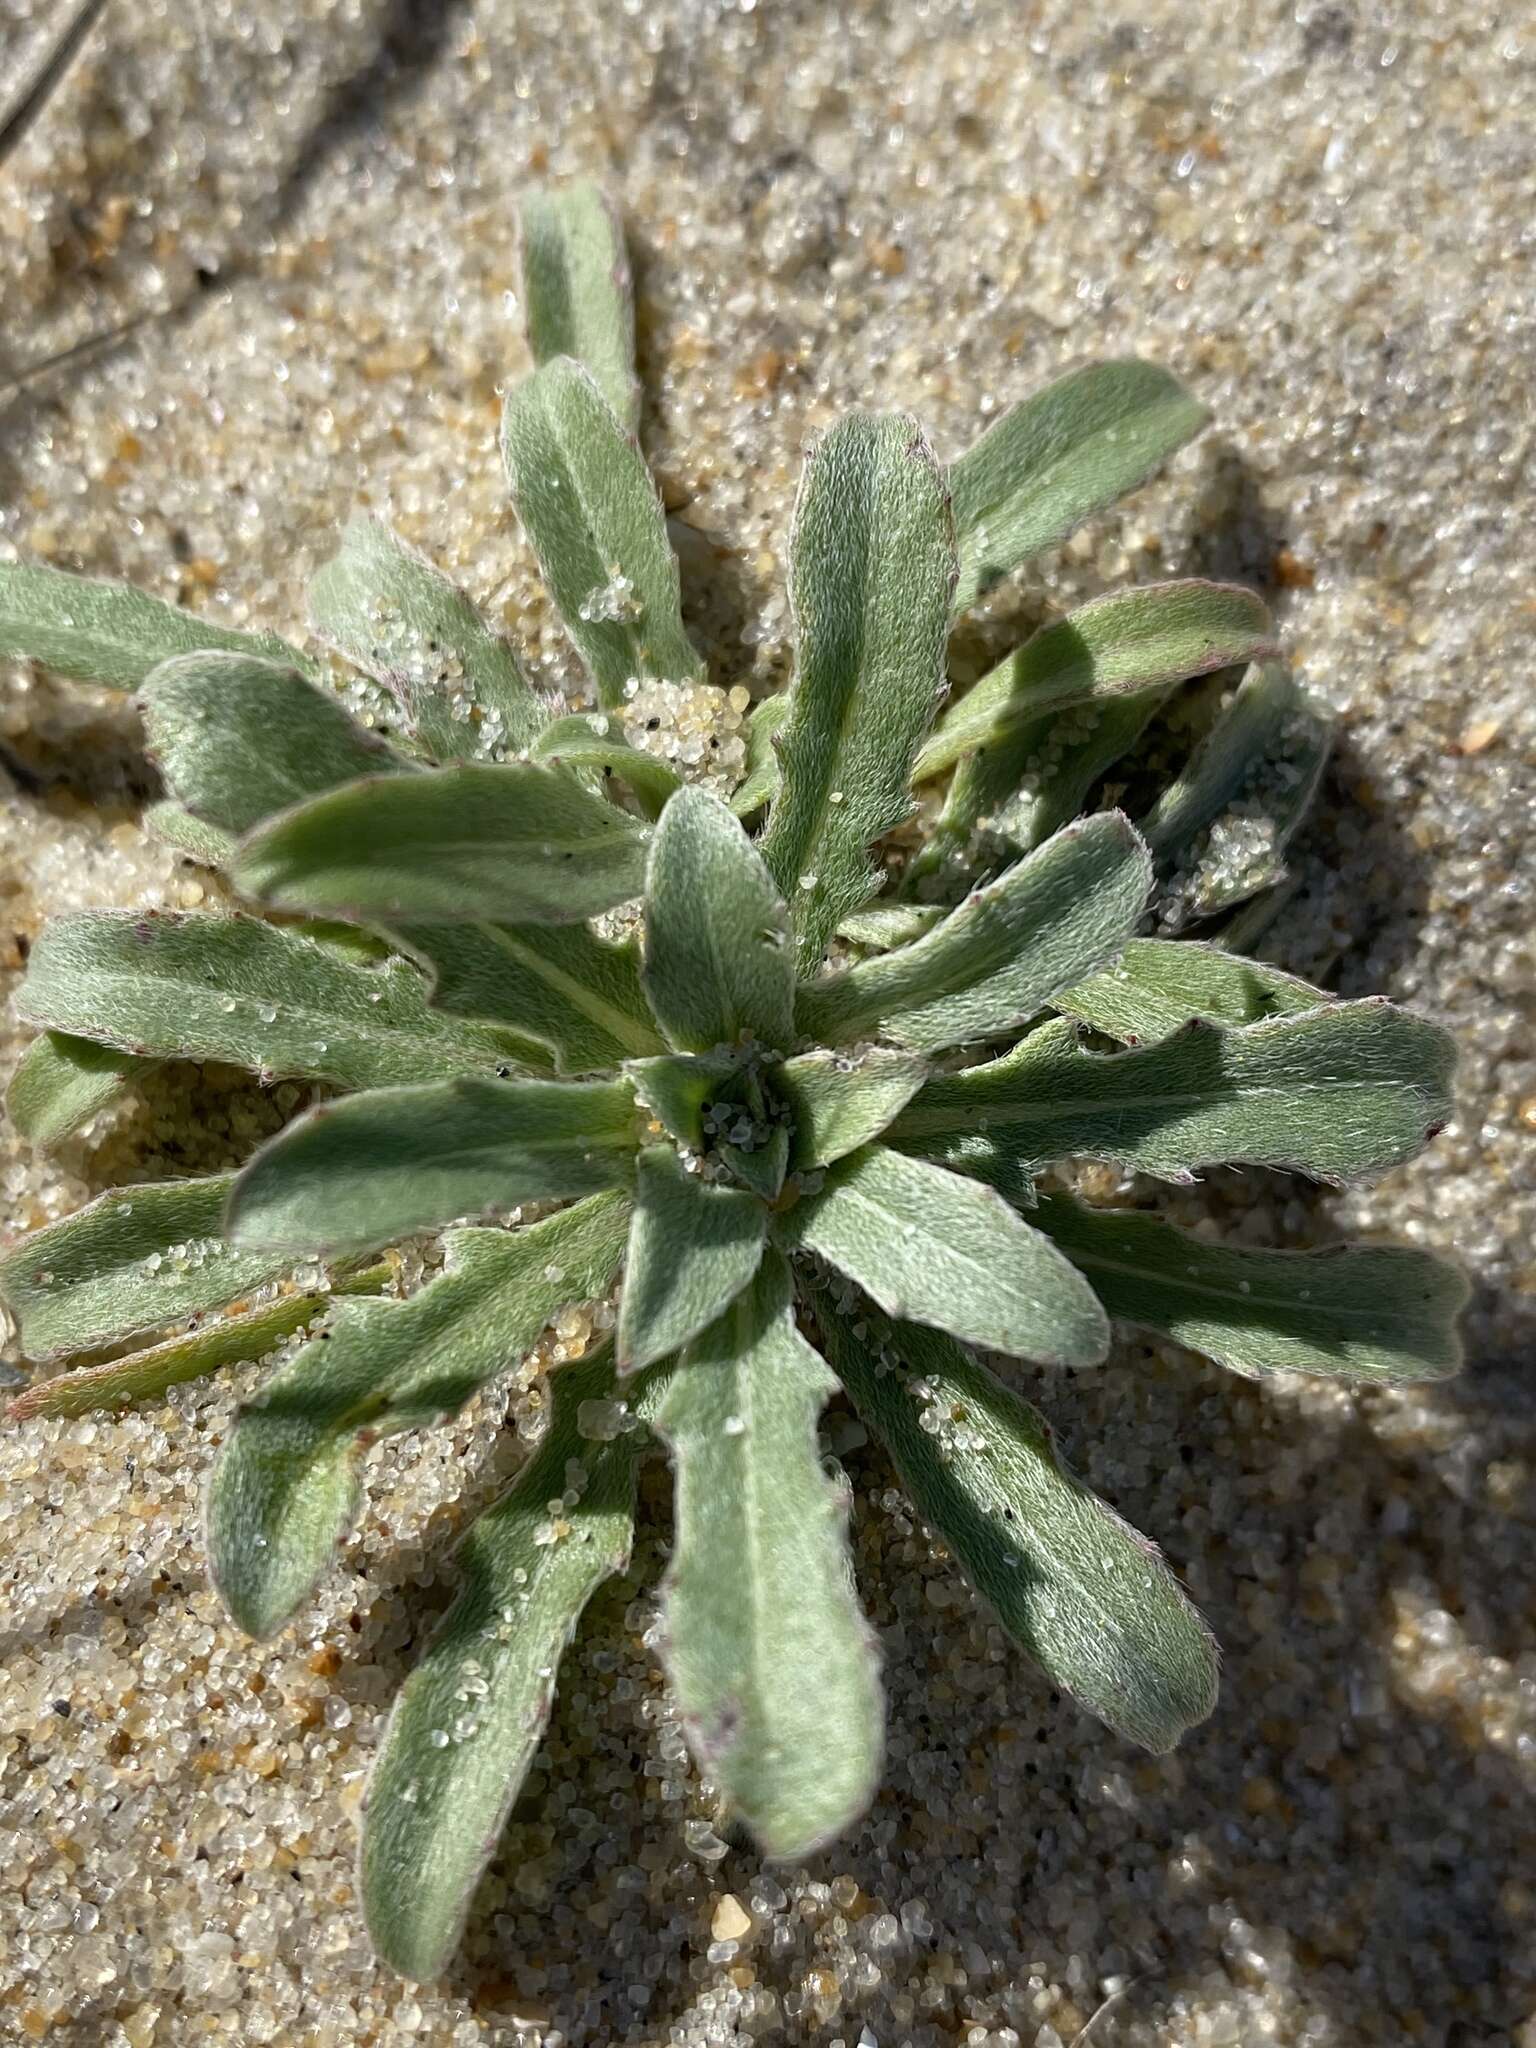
(61, 1082)
(931, 1246)
(872, 567)
(1052, 462)
(692, 1248)
(593, 517)
(1057, 915)
(286, 1487)
(841, 1101)
(466, 845)
(595, 739)
(1350, 1311)
(1157, 985)
(577, 296)
(357, 1173)
(1082, 1592)
(771, 1662)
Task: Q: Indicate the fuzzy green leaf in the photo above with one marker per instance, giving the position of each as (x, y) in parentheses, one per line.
(174, 825)
(872, 566)
(190, 985)
(285, 1490)
(108, 632)
(237, 739)
(135, 1259)
(840, 1101)
(1139, 639)
(771, 1662)
(61, 1082)
(1341, 1094)
(398, 619)
(882, 927)
(761, 780)
(468, 1719)
(1157, 985)
(676, 1087)
(1059, 914)
(358, 1173)
(692, 1248)
(577, 296)
(462, 846)
(1052, 462)
(1087, 1596)
(557, 984)
(929, 1245)
(718, 967)
(1219, 831)
(593, 517)
(1350, 1311)
(595, 740)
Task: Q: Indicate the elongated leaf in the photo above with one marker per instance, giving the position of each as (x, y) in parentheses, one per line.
(577, 296)
(174, 825)
(882, 927)
(400, 620)
(234, 1339)
(872, 567)
(285, 1491)
(468, 1719)
(136, 1259)
(840, 1101)
(592, 516)
(676, 1088)
(557, 984)
(239, 739)
(1139, 639)
(771, 1662)
(718, 968)
(1067, 908)
(108, 632)
(1086, 1596)
(357, 1173)
(1341, 1094)
(189, 985)
(1219, 832)
(62, 1081)
(466, 845)
(1353, 1312)
(1052, 462)
(1157, 985)
(692, 1249)
(761, 780)
(594, 739)
(941, 1250)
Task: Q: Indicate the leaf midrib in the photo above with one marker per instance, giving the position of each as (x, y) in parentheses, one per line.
(626, 1029)
(921, 1123)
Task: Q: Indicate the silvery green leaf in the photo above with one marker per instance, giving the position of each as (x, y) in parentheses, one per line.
(398, 619)
(676, 1087)
(373, 1167)
(771, 1663)
(199, 986)
(1219, 831)
(468, 1719)
(718, 968)
(237, 739)
(1139, 639)
(1157, 985)
(135, 1259)
(840, 1101)
(872, 567)
(1084, 1594)
(1059, 913)
(61, 1082)
(1341, 1094)
(174, 825)
(108, 632)
(556, 984)
(1051, 463)
(595, 740)
(938, 1249)
(285, 1490)
(593, 517)
(762, 1168)
(463, 845)
(882, 927)
(692, 1248)
(1349, 1311)
(761, 780)
(232, 1339)
(577, 296)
